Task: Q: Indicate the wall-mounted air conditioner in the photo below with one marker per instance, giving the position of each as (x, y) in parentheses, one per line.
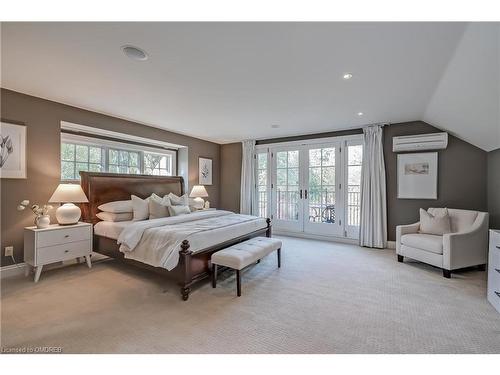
(420, 142)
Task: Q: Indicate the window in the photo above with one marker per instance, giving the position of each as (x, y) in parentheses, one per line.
(79, 153)
(123, 161)
(77, 157)
(262, 190)
(157, 164)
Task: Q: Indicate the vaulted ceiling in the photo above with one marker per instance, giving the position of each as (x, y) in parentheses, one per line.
(232, 81)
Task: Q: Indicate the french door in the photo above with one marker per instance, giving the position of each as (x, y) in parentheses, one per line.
(311, 187)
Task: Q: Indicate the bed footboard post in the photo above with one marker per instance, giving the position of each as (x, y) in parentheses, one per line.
(268, 231)
(185, 254)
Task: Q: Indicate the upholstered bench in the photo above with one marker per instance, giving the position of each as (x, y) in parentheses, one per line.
(244, 254)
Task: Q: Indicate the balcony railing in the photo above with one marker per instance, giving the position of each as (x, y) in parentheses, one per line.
(321, 205)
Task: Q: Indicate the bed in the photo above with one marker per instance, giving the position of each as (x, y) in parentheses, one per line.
(191, 261)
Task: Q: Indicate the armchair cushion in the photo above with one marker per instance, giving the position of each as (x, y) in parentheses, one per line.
(427, 242)
(437, 224)
(460, 220)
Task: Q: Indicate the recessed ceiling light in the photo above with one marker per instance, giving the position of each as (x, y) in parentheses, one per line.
(135, 53)
(347, 76)
(360, 113)
(275, 126)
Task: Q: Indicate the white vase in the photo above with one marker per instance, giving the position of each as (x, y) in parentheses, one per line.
(42, 221)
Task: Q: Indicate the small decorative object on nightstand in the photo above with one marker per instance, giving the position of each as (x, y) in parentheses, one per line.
(198, 193)
(56, 244)
(68, 194)
(42, 218)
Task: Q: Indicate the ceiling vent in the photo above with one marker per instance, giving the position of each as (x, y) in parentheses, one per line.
(420, 142)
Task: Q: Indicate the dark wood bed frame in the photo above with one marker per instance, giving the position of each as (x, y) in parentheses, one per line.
(107, 187)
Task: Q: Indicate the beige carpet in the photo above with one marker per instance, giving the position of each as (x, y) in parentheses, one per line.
(326, 298)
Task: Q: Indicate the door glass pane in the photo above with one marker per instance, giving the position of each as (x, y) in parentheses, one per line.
(287, 185)
(262, 184)
(355, 157)
(321, 189)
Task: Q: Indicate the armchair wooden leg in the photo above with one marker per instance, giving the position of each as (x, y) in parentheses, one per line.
(446, 273)
(400, 258)
(279, 257)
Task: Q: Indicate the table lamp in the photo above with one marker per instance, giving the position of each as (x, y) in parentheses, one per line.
(68, 194)
(198, 193)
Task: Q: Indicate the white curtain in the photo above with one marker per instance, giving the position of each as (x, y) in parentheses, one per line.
(247, 197)
(373, 224)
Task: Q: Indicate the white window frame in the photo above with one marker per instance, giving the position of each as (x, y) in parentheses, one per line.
(108, 144)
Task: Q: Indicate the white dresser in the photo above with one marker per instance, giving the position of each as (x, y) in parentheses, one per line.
(56, 243)
(494, 269)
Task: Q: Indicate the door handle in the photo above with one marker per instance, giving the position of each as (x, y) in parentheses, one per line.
(305, 194)
(300, 193)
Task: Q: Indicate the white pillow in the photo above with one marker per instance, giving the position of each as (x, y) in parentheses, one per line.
(140, 207)
(437, 224)
(117, 206)
(175, 200)
(112, 216)
(158, 207)
(178, 210)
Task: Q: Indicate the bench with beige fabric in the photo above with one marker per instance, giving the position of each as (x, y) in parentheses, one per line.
(244, 254)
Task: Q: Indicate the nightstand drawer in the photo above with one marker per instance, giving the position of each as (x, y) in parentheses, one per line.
(62, 252)
(57, 237)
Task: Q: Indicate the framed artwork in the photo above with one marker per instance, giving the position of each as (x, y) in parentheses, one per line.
(418, 175)
(12, 150)
(204, 171)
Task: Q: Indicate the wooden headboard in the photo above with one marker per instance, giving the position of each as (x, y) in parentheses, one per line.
(108, 187)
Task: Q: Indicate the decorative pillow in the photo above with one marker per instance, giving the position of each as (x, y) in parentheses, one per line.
(140, 207)
(178, 210)
(158, 207)
(117, 207)
(438, 224)
(112, 216)
(175, 200)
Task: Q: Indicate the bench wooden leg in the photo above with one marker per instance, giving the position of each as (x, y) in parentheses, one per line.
(238, 283)
(279, 257)
(214, 275)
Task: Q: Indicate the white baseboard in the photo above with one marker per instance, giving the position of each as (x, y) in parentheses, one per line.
(316, 237)
(12, 270)
(391, 245)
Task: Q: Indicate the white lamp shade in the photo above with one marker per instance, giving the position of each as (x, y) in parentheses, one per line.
(68, 193)
(198, 191)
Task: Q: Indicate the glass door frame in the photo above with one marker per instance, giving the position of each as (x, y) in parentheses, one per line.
(325, 229)
(341, 170)
(279, 224)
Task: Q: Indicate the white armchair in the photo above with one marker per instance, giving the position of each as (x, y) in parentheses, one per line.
(465, 246)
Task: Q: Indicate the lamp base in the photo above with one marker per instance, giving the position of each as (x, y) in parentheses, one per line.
(198, 203)
(68, 214)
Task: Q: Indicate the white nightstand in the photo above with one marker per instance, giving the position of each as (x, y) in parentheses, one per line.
(56, 244)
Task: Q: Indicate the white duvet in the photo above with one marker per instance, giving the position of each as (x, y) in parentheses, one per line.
(157, 242)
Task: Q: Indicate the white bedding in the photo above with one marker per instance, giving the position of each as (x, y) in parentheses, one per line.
(111, 229)
(157, 242)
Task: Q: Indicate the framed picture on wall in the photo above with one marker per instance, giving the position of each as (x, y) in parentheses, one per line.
(12, 150)
(204, 171)
(418, 175)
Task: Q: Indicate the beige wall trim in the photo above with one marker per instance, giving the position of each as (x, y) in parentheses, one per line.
(12, 270)
(391, 245)
(316, 237)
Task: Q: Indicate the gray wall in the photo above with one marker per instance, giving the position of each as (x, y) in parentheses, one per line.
(462, 174)
(230, 178)
(494, 188)
(42, 118)
(462, 177)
